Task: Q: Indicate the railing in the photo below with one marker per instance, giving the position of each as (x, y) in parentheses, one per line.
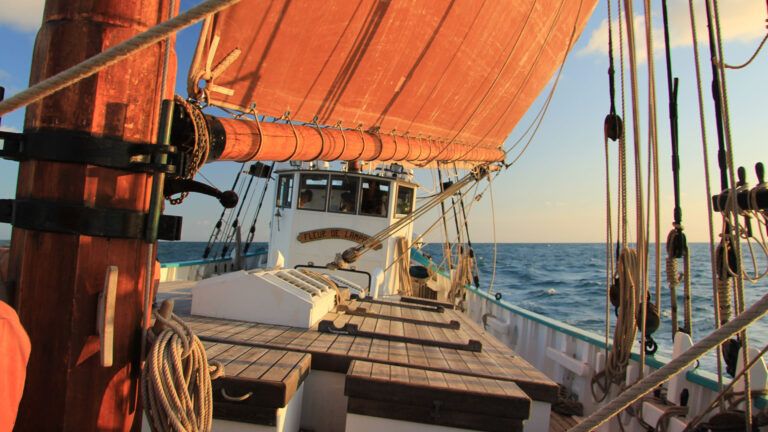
(203, 268)
(567, 354)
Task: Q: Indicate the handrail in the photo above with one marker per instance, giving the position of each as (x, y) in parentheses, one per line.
(705, 379)
(257, 252)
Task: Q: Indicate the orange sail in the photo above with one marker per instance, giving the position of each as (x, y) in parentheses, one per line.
(451, 72)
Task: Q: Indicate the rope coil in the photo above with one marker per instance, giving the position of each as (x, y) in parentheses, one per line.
(176, 379)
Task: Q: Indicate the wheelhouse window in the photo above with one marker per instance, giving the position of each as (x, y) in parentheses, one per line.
(313, 191)
(374, 197)
(404, 200)
(343, 194)
(284, 191)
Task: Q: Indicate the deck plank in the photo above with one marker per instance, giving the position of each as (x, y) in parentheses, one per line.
(237, 366)
(261, 365)
(284, 366)
(494, 361)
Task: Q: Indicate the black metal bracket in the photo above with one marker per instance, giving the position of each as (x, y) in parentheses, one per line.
(361, 311)
(83, 148)
(426, 308)
(742, 200)
(49, 216)
(260, 170)
(172, 186)
(327, 326)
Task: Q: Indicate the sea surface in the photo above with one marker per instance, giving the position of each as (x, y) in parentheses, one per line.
(566, 281)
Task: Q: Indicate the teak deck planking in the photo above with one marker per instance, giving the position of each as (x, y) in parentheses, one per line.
(471, 371)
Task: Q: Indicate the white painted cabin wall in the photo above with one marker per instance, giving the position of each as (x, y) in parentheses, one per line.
(284, 230)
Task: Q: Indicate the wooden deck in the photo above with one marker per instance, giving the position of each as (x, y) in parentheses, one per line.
(335, 351)
(427, 345)
(561, 423)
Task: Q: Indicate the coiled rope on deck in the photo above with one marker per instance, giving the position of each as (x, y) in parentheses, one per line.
(176, 380)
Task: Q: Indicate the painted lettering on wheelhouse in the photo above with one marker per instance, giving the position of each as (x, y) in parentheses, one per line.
(334, 233)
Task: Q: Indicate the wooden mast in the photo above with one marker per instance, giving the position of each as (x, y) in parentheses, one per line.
(58, 277)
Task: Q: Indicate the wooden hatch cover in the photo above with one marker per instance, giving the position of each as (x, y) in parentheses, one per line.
(257, 381)
(436, 398)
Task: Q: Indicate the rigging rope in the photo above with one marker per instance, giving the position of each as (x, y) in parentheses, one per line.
(626, 325)
(641, 282)
(609, 269)
(113, 55)
(708, 189)
(741, 66)
(236, 223)
(446, 245)
(723, 108)
(352, 254)
(432, 227)
(662, 375)
(622, 141)
(721, 394)
(677, 246)
(475, 270)
(252, 230)
(649, 317)
(214, 237)
(495, 249)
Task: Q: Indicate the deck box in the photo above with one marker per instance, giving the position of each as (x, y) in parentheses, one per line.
(387, 397)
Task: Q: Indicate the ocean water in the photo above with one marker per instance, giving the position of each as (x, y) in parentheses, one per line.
(566, 281)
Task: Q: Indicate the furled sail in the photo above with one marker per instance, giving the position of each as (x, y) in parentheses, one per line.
(457, 74)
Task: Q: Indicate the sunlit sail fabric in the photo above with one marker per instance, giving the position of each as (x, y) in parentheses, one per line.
(460, 71)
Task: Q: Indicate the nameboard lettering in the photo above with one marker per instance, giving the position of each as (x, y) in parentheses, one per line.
(335, 233)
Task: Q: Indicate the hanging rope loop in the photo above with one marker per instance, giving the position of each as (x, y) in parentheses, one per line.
(176, 378)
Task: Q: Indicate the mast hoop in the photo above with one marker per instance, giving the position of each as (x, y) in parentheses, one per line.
(362, 139)
(343, 138)
(322, 139)
(381, 143)
(287, 118)
(255, 115)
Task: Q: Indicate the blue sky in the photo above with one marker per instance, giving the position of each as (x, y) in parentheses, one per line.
(556, 191)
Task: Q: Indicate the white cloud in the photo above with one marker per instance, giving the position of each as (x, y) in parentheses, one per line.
(24, 15)
(9, 129)
(741, 21)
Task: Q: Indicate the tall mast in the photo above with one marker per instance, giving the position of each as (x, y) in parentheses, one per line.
(59, 276)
